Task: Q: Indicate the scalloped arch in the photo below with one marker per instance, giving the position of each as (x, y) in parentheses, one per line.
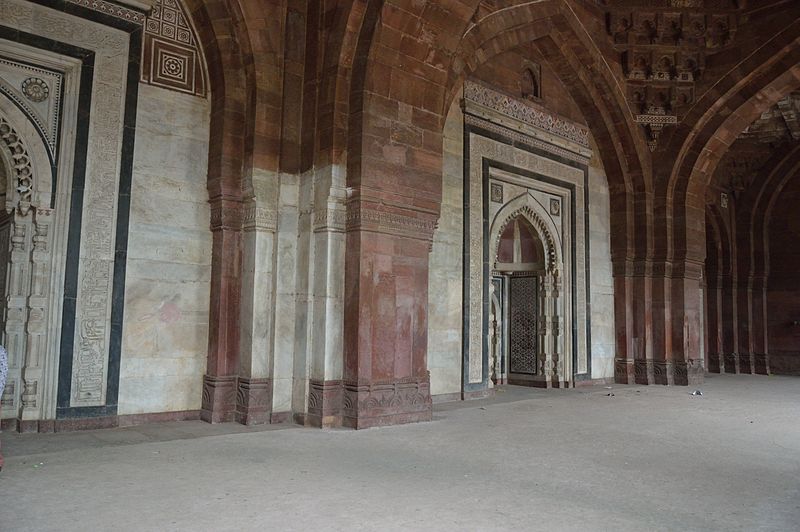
(551, 248)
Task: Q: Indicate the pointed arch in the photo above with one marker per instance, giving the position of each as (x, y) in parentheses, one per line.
(526, 206)
(30, 180)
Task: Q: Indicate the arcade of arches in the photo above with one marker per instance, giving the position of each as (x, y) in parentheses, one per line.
(338, 212)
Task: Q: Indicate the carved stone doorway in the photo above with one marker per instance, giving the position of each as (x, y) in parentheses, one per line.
(26, 220)
(515, 313)
(525, 307)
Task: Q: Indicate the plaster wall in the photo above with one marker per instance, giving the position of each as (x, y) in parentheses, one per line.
(165, 333)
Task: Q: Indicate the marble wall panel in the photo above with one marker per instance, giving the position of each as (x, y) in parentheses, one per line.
(446, 262)
(165, 333)
(285, 294)
(601, 280)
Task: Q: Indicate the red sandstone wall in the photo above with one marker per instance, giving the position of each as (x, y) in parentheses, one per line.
(504, 72)
(783, 296)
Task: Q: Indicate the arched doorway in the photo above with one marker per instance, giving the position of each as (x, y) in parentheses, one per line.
(516, 356)
(526, 345)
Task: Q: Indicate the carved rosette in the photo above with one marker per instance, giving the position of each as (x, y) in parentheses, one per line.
(35, 89)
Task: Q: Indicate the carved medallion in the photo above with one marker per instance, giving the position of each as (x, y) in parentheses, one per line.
(497, 193)
(35, 89)
(555, 207)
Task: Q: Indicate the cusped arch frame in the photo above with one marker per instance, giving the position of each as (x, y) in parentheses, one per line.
(528, 207)
(25, 155)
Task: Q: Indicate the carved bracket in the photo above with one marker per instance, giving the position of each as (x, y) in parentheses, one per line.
(653, 122)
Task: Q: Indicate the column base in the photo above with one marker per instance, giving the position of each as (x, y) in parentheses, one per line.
(643, 372)
(540, 382)
(746, 363)
(389, 403)
(731, 362)
(689, 372)
(669, 373)
(253, 401)
(716, 363)
(623, 371)
(219, 398)
(761, 363)
(324, 404)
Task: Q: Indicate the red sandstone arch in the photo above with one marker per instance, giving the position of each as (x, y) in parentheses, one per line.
(739, 74)
(719, 126)
(405, 73)
(229, 62)
(591, 84)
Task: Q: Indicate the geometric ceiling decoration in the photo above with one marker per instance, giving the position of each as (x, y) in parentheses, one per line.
(171, 56)
(663, 47)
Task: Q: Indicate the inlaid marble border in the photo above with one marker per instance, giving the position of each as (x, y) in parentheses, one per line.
(111, 76)
(475, 378)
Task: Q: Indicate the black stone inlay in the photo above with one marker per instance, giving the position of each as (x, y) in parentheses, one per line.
(487, 164)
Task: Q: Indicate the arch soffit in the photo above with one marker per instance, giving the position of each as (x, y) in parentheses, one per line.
(709, 143)
(511, 27)
(30, 178)
(754, 207)
(230, 83)
(349, 31)
(528, 207)
(778, 180)
(690, 179)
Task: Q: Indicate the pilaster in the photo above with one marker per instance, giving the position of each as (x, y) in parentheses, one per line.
(386, 380)
(37, 312)
(219, 382)
(325, 388)
(672, 356)
(257, 314)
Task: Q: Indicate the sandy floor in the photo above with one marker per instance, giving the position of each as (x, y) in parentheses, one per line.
(648, 458)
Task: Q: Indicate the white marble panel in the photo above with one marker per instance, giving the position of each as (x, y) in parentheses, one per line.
(165, 333)
(285, 292)
(445, 268)
(602, 283)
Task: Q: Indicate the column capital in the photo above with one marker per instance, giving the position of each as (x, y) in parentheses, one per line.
(226, 213)
(393, 219)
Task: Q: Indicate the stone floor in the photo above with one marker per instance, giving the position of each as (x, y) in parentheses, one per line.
(646, 458)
